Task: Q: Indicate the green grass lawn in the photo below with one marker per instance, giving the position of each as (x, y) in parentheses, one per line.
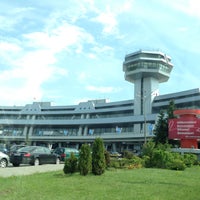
(152, 184)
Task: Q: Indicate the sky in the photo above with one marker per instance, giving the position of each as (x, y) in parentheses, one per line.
(71, 51)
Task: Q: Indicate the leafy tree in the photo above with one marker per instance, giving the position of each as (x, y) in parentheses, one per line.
(161, 127)
(85, 159)
(98, 158)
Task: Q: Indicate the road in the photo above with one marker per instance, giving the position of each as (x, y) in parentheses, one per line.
(27, 169)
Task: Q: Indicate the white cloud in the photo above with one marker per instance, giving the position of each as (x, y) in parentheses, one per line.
(59, 38)
(7, 46)
(83, 76)
(40, 44)
(103, 49)
(108, 20)
(190, 7)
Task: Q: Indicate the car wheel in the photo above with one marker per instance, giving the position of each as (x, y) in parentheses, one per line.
(36, 162)
(3, 163)
(57, 161)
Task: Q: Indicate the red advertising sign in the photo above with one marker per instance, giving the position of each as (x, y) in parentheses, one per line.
(184, 128)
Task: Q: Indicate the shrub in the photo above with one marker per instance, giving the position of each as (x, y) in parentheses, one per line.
(114, 163)
(190, 159)
(177, 164)
(98, 158)
(85, 159)
(70, 165)
(107, 158)
(128, 154)
(161, 158)
(148, 149)
(147, 161)
(135, 162)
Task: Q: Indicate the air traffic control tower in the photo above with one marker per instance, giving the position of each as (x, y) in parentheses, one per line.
(146, 69)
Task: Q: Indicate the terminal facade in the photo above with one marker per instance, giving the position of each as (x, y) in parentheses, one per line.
(123, 125)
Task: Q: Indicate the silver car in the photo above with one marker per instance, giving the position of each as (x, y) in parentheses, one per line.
(4, 160)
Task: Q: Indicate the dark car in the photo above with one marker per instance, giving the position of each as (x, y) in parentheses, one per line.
(15, 147)
(34, 155)
(65, 152)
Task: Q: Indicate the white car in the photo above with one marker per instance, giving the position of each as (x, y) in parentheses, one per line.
(4, 160)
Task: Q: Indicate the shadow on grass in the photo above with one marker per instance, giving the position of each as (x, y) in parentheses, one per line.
(153, 182)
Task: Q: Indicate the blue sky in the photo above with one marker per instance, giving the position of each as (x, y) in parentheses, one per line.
(67, 51)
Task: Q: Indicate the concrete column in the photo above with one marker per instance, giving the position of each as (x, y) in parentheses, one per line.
(25, 131)
(86, 127)
(136, 129)
(85, 131)
(114, 148)
(80, 130)
(30, 131)
(151, 90)
(31, 128)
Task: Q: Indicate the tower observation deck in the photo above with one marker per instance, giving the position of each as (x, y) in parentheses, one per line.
(146, 69)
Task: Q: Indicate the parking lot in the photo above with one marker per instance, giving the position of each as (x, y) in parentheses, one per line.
(27, 169)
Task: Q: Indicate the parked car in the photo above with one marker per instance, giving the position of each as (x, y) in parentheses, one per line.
(65, 152)
(15, 147)
(115, 154)
(34, 155)
(4, 160)
(3, 149)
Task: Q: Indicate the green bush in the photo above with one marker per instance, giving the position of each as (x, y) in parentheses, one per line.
(70, 165)
(177, 164)
(98, 158)
(128, 154)
(107, 158)
(148, 148)
(161, 158)
(115, 163)
(85, 159)
(135, 162)
(147, 161)
(190, 159)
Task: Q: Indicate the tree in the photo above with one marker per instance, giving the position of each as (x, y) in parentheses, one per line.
(98, 158)
(170, 113)
(85, 159)
(70, 164)
(161, 127)
(170, 110)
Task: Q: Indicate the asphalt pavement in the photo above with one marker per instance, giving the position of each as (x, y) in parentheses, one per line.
(27, 169)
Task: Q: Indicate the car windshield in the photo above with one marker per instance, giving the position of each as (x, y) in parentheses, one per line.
(67, 150)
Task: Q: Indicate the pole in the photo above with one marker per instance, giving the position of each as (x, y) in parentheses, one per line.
(144, 113)
(145, 125)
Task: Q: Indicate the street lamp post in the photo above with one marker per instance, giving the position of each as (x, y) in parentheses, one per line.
(145, 123)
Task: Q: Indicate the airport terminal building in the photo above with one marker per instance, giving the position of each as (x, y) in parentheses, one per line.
(123, 125)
